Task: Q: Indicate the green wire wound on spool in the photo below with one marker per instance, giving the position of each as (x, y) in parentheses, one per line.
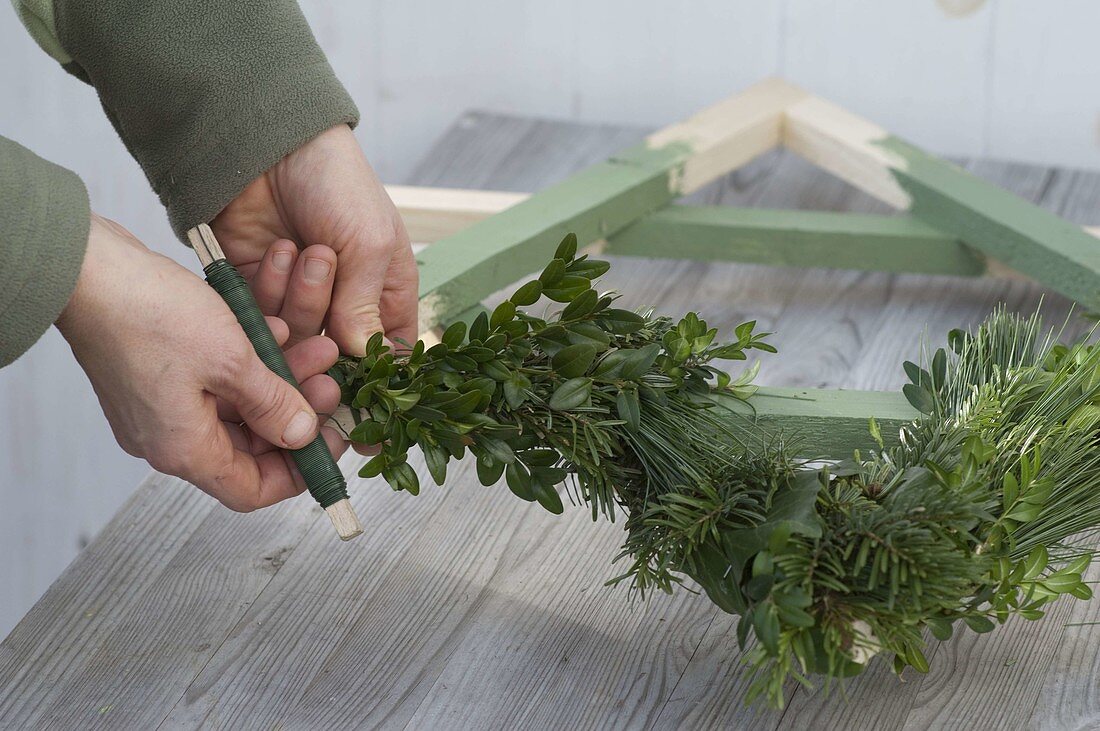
(322, 475)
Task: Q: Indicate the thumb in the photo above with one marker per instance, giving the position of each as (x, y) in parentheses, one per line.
(273, 409)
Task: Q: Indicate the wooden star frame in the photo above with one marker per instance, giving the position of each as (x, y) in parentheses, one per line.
(953, 223)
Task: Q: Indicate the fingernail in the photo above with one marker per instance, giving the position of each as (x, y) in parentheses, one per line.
(300, 427)
(282, 261)
(317, 270)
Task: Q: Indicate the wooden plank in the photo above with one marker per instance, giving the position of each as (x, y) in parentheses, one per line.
(185, 615)
(1019, 235)
(53, 645)
(817, 422)
(797, 239)
(600, 200)
(431, 214)
(824, 423)
(359, 631)
(725, 136)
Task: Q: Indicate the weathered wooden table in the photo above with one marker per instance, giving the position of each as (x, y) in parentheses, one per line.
(467, 608)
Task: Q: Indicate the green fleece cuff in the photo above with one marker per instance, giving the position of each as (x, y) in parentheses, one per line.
(206, 94)
(44, 220)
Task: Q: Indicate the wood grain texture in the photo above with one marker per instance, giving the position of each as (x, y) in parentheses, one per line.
(466, 608)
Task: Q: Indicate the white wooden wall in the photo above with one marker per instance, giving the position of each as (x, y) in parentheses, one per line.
(1015, 79)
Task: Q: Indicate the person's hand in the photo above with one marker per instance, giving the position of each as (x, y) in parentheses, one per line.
(325, 196)
(281, 283)
(180, 383)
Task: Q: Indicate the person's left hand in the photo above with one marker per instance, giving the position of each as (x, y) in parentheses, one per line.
(325, 200)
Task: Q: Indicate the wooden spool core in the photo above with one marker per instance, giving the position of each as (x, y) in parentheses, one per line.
(344, 519)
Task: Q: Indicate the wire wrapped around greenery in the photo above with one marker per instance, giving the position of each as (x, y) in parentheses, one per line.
(970, 520)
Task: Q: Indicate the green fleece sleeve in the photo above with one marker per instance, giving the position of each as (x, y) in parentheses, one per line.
(44, 221)
(206, 94)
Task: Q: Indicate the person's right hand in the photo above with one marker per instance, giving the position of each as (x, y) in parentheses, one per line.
(179, 381)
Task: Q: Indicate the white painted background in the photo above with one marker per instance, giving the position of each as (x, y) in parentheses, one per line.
(1013, 79)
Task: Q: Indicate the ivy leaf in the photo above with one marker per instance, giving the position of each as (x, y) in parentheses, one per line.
(574, 360)
(571, 394)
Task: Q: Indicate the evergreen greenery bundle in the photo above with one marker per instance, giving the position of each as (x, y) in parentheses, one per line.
(976, 516)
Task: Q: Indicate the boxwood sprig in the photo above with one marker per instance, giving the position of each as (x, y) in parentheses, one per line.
(586, 390)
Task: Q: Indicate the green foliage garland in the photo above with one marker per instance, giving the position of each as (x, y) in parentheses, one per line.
(970, 520)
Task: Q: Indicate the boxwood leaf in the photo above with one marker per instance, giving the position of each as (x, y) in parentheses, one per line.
(436, 459)
(571, 394)
(574, 360)
(519, 481)
(621, 322)
(528, 294)
(505, 312)
(453, 335)
(567, 249)
(553, 273)
(489, 470)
